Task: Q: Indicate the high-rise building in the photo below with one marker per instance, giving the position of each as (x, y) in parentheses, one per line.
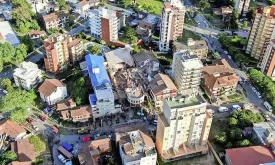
(103, 99)
(241, 7)
(187, 72)
(261, 31)
(183, 128)
(268, 62)
(105, 24)
(172, 20)
(61, 49)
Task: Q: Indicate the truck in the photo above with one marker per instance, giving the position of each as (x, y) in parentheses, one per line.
(64, 152)
(268, 106)
(67, 146)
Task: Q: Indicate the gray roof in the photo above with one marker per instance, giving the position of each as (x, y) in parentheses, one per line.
(160, 83)
(143, 55)
(120, 55)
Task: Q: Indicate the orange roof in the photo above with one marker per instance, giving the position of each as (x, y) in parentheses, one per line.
(20, 163)
(253, 155)
(66, 104)
(74, 42)
(81, 111)
(49, 86)
(11, 128)
(37, 32)
(102, 145)
(1, 36)
(55, 16)
(24, 150)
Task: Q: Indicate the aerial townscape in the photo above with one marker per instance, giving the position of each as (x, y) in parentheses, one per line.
(137, 82)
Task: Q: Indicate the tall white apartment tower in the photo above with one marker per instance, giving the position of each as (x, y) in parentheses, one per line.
(172, 20)
(104, 24)
(187, 72)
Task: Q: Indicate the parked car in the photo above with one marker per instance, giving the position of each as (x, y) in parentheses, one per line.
(198, 22)
(42, 117)
(35, 127)
(54, 129)
(236, 107)
(62, 158)
(254, 89)
(223, 109)
(267, 118)
(29, 120)
(211, 112)
(259, 95)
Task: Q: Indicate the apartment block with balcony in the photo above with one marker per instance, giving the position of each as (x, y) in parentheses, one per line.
(261, 31)
(102, 101)
(187, 72)
(136, 147)
(27, 75)
(183, 128)
(242, 6)
(56, 19)
(43, 6)
(105, 24)
(161, 88)
(61, 49)
(171, 27)
(219, 79)
(268, 62)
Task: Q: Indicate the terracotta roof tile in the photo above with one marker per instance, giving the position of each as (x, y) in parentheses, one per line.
(11, 128)
(160, 83)
(65, 104)
(20, 163)
(24, 150)
(49, 86)
(253, 155)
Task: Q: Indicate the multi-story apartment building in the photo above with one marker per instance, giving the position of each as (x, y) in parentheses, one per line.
(55, 20)
(219, 79)
(160, 88)
(268, 62)
(241, 7)
(197, 47)
(61, 49)
(105, 24)
(136, 147)
(186, 72)
(261, 31)
(172, 20)
(183, 128)
(27, 75)
(102, 101)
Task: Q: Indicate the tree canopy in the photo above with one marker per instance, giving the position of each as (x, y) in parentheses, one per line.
(7, 85)
(63, 5)
(19, 115)
(94, 49)
(264, 84)
(38, 142)
(129, 36)
(17, 98)
(79, 91)
(7, 157)
(23, 17)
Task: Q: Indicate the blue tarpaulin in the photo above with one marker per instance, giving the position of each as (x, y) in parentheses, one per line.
(67, 146)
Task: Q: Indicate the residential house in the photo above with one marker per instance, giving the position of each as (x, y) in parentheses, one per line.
(264, 132)
(27, 75)
(12, 129)
(20, 163)
(148, 25)
(55, 20)
(83, 7)
(43, 6)
(135, 96)
(91, 153)
(77, 114)
(161, 88)
(219, 79)
(24, 150)
(34, 34)
(65, 105)
(136, 147)
(52, 91)
(252, 155)
(225, 10)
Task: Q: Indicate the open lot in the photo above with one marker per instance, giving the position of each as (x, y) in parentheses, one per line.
(152, 6)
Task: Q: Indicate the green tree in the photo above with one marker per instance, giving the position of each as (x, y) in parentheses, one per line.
(8, 157)
(203, 4)
(102, 42)
(127, 3)
(235, 20)
(79, 91)
(235, 134)
(38, 142)
(17, 99)
(63, 5)
(20, 53)
(221, 138)
(7, 85)
(19, 115)
(95, 49)
(52, 31)
(229, 145)
(233, 122)
(136, 49)
(70, 21)
(130, 36)
(244, 143)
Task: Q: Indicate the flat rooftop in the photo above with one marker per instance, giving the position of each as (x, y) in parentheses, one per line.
(153, 19)
(181, 102)
(8, 34)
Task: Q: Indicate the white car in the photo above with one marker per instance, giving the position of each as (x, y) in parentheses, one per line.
(267, 118)
(230, 57)
(198, 22)
(254, 89)
(259, 95)
(236, 107)
(35, 127)
(211, 112)
(62, 158)
(223, 109)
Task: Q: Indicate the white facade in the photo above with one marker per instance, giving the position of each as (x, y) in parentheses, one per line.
(83, 7)
(187, 72)
(97, 27)
(27, 76)
(135, 96)
(58, 95)
(241, 6)
(43, 6)
(141, 152)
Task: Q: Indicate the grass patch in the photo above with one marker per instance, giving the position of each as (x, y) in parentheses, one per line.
(235, 98)
(188, 34)
(152, 6)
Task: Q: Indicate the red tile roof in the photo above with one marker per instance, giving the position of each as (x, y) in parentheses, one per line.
(49, 86)
(24, 150)
(253, 155)
(11, 128)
